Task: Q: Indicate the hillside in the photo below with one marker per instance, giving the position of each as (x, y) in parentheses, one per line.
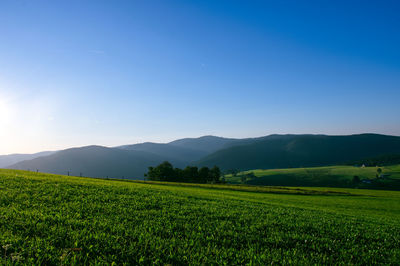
(128, 161)
(269, 152)
(328, 176)
(386, 159)
(60, 220)
(94, 161)
(206, 144)
(179, 156)
(6, 160)
(286, 151)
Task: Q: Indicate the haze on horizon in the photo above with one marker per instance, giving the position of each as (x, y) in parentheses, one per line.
(75, 73)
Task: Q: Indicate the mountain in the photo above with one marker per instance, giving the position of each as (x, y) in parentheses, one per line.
(6, 160)
(269, 152)
(207, 144)
(94, 161)
(179, 156)
(124, 161)
(286, 151)
(382, 160)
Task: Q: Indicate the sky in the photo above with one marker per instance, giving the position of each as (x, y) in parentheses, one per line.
(76, 73)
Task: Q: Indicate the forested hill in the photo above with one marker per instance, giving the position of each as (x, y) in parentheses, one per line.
(93, 161)
(285, 151)
(273, 151)
(9, 159)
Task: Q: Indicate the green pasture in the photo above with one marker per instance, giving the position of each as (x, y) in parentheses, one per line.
(329, 176)
(50, 219)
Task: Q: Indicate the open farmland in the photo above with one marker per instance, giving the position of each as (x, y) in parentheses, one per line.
(51, 219)
(327, 176)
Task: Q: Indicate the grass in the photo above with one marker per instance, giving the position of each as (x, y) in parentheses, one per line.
(330, 176)
(51, 219)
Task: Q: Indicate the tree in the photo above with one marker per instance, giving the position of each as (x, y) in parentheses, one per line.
(190, 174)
(247, 176)
(151, 174)
(166, 172)
(215, 174)
(178, 175)
(379, 172)
(356, 179)
(204, 174)
(250, 175)
(234, 172)
(163, 172)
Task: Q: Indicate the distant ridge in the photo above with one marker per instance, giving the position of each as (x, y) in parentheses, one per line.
(206, 144)
(93, 161)
(178, 155)
(285, 151)
(6, 160)
(268, 152)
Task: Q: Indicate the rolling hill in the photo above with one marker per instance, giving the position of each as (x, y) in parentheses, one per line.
(94, 161)
(179, 156)
(287, 151)
(63, 220)
(326, 176)
(206, 144)
(129, 161)
(269, 152)
(6, 160)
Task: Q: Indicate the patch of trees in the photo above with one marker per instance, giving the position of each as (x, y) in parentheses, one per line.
(247, 176)
(191, 174)
(382, 160)
(356, 179)
(233, 172)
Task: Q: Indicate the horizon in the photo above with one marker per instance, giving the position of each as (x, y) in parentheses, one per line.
(107, 73)
(202, 136)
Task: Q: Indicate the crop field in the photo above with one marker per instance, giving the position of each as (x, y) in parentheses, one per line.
(330, 176)
(51, 219)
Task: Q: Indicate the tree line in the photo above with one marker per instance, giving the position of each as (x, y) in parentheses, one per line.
(191, 174)
(383, 160)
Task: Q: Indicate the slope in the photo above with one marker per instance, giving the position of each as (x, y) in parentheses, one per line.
(94, 161)
(285, 151)
(179, 156)
(327, 176)
(207, 144)
(6, 160)
(60, 220)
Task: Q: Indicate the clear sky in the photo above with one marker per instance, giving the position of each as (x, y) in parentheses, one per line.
(76, 73)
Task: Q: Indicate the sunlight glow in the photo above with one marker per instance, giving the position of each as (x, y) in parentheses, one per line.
(4, 112)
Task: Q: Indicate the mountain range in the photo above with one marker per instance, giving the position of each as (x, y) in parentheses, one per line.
(6, 160)
(269, 152)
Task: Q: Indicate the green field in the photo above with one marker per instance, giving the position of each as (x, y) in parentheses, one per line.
(50, 219)
(329, 176)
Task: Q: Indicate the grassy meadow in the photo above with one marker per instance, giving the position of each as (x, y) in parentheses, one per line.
(51, 219)
(328, 176)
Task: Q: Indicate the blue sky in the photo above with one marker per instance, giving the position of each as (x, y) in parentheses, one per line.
(76, 73)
